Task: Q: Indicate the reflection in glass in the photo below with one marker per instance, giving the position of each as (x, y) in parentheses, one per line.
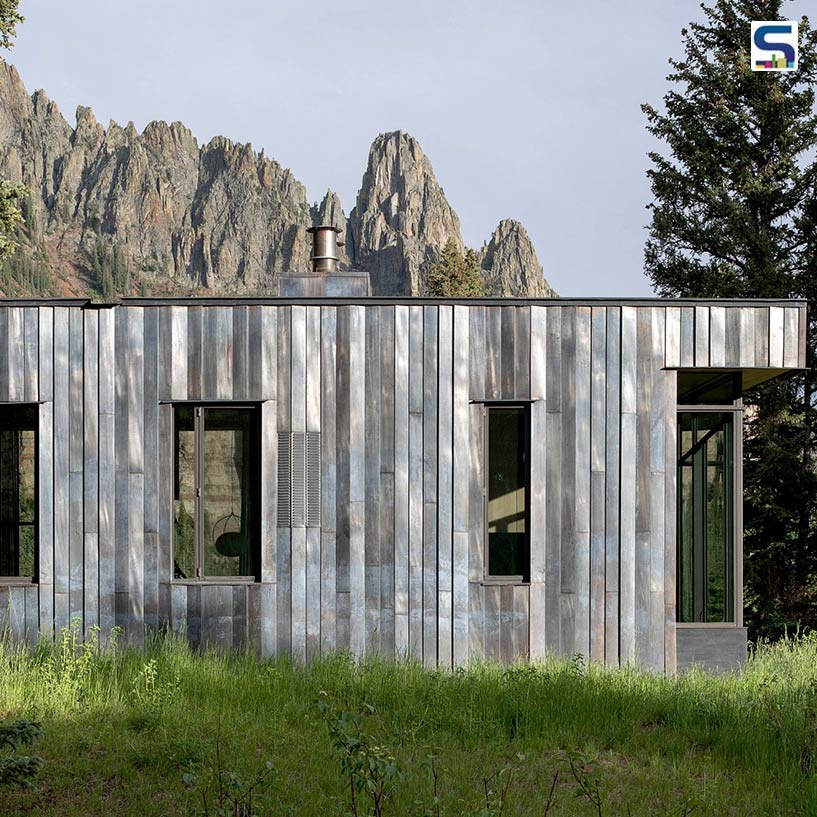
(508, 550)
(705, 524)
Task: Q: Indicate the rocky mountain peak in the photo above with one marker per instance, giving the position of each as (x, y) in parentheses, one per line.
(510, 265)
(402, 219)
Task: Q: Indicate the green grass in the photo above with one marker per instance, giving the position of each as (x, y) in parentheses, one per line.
(123, 730)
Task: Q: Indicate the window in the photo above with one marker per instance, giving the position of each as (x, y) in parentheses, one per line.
(706, 559)
(18, 492)
(216, 490)
(704, 387)
(506, 492)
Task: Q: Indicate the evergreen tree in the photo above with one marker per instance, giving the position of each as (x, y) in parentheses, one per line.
(734, 215)
(455, 275)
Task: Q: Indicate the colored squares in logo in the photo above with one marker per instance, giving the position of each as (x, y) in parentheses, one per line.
(774, 45)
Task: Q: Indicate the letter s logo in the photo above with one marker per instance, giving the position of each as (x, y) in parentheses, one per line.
(764, 45)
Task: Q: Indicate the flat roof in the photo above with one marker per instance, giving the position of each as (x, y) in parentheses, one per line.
(378, 300)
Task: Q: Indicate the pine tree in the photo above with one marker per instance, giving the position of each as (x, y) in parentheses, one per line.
(734, 215)
(455, 275)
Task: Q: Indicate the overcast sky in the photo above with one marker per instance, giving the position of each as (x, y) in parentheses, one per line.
(527, 109)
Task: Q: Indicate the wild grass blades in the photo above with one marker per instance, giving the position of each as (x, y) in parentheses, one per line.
(123, 726)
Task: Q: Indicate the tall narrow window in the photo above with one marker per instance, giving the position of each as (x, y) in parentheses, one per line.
(18, 491)
(706, 559)
(216, 508)
(506, 492)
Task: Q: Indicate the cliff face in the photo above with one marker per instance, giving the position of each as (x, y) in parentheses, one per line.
(220, 217)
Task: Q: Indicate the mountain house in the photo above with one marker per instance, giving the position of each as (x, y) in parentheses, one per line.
(325, 470)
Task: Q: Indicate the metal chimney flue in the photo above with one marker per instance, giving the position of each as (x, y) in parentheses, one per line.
(325, 245)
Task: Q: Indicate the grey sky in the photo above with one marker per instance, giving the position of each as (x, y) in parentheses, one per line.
(527, 110)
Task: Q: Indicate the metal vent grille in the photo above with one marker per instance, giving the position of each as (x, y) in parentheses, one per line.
(313, 478)
(299, 479)
(284, 481)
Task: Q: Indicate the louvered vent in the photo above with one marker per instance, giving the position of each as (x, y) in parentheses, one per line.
(299, 479)
(313, 478)
(284, 481)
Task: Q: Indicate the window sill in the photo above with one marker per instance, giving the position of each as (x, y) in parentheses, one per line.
(18, 581)
(504, 581)
(227, 580)
(714, 625)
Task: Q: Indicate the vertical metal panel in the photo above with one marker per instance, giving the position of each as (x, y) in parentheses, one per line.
(569, 549)
(643, 485)
(673, 342)
(241, 360)
(493, 353)
(136, 469)
(717, 336)
(299, 592)
(372, 479)
(16, 356)
(582, 458)
(445, 483)
(687, 336)
(76, 461)
(150, 465)
(598, 466)
(477, 352)
(387, 480)
(298, 373)
(136, 557)
(746, 347)
(270, 381)
(761, 314)
(521, 623)
(522, 353)
(776, 320)
(4, 354)
(32, 329)
(461, 476)
(415, 469)
(46, 353)
(91, 468)
(507, 379)
(670, 498)
(732, 334)
(553, 479)
(179, 354)
(329, 475)
(702, 336)
(313, 368)
(627, 489)
(313, 535)
(612, 486)
(357, 479)
(430, 419)
(492, 622)
(791, 338)
(194, 353)
(538, 481)
(401, 480)
(283, 589)
(121, 447)
(342, 521)
(803, 326)
(45, 527)
(658, 403)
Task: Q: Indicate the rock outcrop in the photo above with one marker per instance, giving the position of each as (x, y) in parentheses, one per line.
(510, 266)
(220, 218)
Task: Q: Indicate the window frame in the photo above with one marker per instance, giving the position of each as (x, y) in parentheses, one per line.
(256, 491)
(35, 409)
(525, 407)
(736, 410)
